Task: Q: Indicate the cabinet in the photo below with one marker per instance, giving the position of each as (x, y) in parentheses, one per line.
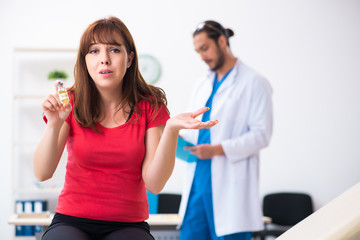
(30, 87)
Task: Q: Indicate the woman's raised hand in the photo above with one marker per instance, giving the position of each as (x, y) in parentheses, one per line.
(189, 121)
(55, 111)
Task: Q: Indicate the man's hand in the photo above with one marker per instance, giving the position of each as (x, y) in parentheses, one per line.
(206, 151)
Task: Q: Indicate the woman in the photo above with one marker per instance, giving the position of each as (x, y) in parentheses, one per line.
(119, 137)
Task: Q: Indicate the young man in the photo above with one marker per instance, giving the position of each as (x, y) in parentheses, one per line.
(221, 199)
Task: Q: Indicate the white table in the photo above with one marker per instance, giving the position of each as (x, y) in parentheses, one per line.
(45, 219)
(162, 225)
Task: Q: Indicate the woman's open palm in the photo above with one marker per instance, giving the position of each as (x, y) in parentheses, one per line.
(189, 121)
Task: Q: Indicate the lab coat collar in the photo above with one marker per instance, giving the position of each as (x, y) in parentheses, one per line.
(229, 80)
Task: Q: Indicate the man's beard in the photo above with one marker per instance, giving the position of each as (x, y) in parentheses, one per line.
(220, 61)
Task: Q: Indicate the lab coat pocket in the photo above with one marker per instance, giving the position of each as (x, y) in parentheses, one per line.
(239, 169)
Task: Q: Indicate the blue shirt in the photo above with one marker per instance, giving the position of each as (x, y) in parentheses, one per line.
(202, 178)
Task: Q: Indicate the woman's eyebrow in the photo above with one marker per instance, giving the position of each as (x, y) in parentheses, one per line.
(115, 44)
(111, 43)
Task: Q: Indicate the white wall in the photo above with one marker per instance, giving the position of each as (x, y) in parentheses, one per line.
(308, 49)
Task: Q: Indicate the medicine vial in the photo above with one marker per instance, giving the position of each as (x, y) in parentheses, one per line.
(63, 95)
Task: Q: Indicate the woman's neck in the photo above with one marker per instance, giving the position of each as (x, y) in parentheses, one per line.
(114, 111)
(110, 98)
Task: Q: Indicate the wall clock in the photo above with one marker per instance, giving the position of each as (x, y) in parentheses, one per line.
(150, 68)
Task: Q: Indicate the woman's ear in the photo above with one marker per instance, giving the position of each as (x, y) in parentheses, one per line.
(130, 58)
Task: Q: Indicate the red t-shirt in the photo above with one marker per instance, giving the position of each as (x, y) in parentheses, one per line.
(103, 173)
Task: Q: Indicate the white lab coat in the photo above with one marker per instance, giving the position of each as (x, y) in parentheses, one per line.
(243, 107)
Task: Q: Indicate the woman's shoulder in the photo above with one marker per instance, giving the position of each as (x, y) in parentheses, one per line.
(143, 104)
(148, 103)
(150, 109)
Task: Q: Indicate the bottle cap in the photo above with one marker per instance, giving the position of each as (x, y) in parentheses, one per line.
(60, 84)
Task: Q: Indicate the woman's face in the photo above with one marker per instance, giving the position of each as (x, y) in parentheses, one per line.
(107, 63)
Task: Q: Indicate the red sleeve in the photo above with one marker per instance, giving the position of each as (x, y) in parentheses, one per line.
(160, 118)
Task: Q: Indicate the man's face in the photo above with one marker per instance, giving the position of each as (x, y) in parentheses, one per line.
(209, 51)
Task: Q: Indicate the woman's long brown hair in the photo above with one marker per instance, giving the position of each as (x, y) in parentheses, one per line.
(87, 107)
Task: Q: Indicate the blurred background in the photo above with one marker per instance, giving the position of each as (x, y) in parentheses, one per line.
(308, 49)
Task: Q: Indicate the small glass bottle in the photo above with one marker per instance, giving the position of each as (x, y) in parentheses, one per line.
(63, 95)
